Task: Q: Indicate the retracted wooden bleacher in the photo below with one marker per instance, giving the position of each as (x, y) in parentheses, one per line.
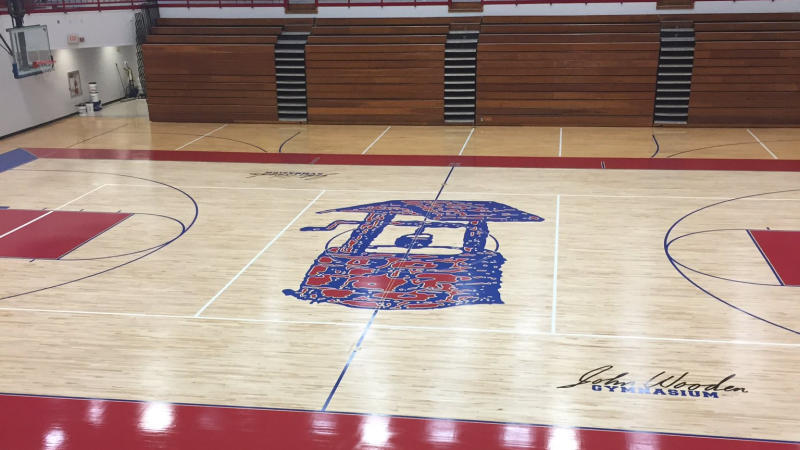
(746, 70)
(213, 70)
(377, 70)
(544, 70)
(587, 70)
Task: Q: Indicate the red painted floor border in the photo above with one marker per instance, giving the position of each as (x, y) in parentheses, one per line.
(34, 422)
(425, 160)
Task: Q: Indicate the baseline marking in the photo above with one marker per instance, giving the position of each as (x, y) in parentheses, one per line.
(258, 255)
(555, 268)
(201, 137)
(409, 327)
(376, 140)
(762, 144)
(467, 141)
(51, 211)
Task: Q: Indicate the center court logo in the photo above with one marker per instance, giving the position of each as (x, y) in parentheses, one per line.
(602, 379)
(413, 270)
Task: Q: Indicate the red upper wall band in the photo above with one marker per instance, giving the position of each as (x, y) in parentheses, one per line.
(425, 160)
(110, 5)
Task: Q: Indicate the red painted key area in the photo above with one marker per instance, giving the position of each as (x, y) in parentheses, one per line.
(53, 235)
(782, 251)
(32, 422)
(13, 218)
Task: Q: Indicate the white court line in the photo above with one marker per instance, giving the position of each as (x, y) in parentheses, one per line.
(84, 195)
(560, 139)
(270, 188)
(762, 144)
(290, 322)
(555, 268)
(95, 313)
(51, 211)
(258, 255)
(406, 327)
(201, 137)
(582, 335)
(27, 223)
(376, 140)
(183, 317)
(523, 194)
(467, 141)
(702, 341)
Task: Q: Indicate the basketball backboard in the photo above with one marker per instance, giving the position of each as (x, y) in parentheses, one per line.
(31, 50)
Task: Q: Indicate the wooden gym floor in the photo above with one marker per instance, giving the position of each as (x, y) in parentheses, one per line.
(126, 126)
(604, 309)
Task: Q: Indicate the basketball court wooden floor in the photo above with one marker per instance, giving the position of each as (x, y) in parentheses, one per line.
(125, 126)
(179, 299)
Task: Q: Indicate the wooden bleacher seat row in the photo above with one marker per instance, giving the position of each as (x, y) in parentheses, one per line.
(549, 70)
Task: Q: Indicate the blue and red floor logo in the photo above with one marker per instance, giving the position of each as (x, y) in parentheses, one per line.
(361, 274)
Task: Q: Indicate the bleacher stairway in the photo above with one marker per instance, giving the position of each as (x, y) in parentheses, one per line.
(290, 75)
(460, 66)
(674, 83)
